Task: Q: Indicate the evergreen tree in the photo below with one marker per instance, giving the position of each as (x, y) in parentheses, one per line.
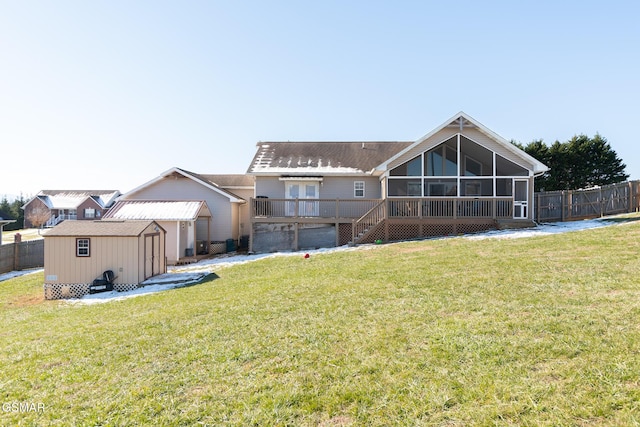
(17, 213)
(539, 150)
(581, 162)
(5, 209)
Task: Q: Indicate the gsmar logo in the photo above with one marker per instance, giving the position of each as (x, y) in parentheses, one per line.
(23, 407)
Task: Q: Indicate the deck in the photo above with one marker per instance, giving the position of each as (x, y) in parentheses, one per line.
(358, 221)
(346, 211)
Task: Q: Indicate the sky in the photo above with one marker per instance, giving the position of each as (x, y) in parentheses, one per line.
(110, 94)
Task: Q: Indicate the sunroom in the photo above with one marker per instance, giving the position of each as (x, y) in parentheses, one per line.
(458, 178)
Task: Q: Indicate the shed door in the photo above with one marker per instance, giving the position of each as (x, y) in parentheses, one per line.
(151, 255)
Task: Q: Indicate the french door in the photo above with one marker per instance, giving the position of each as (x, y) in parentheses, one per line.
(306, 194)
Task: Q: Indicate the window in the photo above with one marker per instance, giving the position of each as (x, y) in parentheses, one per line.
(472, 168)
(411, 168)
(405, 187)
(82, 247)
(442, 160)
(505, 167)
(358, 189)
(476, 187)
(440, 187)
(89, 213)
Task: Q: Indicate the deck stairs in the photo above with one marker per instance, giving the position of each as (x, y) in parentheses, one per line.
(369, 223)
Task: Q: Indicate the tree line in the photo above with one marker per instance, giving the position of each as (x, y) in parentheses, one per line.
(13, 210)
(581, 162)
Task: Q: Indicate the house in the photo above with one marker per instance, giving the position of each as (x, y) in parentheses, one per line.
(461, 177)
(187, 223)
(54, 206)
(225, 197)
(77, 252)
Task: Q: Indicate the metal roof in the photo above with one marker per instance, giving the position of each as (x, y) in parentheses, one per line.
(70, 199)
(159, 210)
(98, 228)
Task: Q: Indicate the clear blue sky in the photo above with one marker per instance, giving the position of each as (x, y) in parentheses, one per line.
(109, 94)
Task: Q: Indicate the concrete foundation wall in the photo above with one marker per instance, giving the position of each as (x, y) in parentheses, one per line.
(282, 237)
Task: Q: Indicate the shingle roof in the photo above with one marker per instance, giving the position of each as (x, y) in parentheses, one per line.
(98, 228)
(229, 181)
(322, 157)
(159, 210)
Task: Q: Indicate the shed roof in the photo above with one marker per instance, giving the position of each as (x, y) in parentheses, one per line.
(338, 158)
(99, 228)
(159, 210)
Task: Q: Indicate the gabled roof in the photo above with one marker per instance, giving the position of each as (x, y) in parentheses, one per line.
(70, 199)
(99, 228)
(200, 179)
(159, 210)
(463, 121)
(322, 158)
(230, 181)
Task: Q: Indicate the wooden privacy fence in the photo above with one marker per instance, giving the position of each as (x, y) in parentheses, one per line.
(19, 256)
(591, 203)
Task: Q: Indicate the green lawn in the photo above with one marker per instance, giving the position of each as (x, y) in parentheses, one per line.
(455, 332)
(27, 234)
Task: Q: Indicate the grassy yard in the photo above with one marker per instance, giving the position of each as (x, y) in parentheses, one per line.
(27, 234)
(455, 332)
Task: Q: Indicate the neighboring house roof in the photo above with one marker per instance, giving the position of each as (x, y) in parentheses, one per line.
(201, 179)
(159, 210)
(99, 228)
(70, 199)
(309, 158)
(463, 121)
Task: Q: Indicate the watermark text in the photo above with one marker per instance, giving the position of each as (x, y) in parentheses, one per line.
(23, 407)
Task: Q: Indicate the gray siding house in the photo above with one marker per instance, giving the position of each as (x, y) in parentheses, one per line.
(461, 177)
(224, 217)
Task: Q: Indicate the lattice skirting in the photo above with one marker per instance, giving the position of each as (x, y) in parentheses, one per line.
(217, 248)
(344, 231)
(78, 290)
(407, 230)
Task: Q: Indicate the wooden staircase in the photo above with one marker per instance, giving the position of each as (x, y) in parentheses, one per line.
(369, 223)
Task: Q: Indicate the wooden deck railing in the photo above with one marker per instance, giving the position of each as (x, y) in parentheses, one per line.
(430, 207)
(311, 208)
(444, 207)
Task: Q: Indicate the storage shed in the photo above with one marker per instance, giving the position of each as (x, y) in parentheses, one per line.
(77, 252)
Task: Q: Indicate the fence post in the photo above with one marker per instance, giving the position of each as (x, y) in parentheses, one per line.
(16, 256)
(601, 202)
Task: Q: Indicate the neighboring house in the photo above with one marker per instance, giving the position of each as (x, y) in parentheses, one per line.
(60, 205)
(460, 177)
(187, 223)
(224, 196)
(77, 252)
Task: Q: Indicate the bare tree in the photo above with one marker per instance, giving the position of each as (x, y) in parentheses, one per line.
(38, 217)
